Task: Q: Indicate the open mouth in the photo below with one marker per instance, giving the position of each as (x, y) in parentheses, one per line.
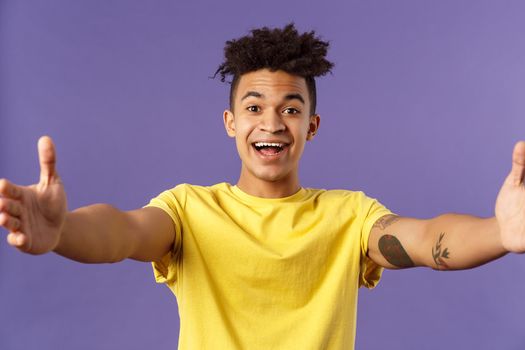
(269, 148)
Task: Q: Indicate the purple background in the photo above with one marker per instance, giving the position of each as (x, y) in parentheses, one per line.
(422, 111)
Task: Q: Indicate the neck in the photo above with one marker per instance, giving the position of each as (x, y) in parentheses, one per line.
(258, 187)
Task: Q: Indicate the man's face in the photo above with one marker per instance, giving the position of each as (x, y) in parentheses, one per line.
(270, 122)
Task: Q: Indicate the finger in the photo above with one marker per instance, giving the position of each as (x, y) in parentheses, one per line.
(9, 222)
(47, 159)
(10, 207)
(518, 163)
(17, 239)
(9, 190)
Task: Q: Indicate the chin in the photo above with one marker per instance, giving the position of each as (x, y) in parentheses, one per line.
(271, 176)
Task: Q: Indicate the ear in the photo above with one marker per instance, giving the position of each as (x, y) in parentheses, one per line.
(313, 126)
(229, 123)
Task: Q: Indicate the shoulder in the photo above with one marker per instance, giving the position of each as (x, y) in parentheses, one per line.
(339, 195)
(184, 192)
(344, 201)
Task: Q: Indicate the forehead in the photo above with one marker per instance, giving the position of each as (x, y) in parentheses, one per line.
(271, 83)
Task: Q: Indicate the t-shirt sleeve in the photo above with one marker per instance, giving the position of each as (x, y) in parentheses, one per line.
(370, 272)
(166, 268)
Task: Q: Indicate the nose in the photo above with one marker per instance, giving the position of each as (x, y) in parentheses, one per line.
(272, 122)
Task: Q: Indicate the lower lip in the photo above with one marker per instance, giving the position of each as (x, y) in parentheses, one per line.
(270, 156)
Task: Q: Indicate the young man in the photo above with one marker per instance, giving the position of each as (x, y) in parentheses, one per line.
(265, 263)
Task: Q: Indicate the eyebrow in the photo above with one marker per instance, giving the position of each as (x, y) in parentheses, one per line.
(294, 97)
(287, 97)
(252, 93)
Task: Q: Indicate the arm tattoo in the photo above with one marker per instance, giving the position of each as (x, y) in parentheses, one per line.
(438, 255)
(385, 221)
(394, 252)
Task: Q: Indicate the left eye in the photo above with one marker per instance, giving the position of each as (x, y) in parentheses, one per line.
(291, 110)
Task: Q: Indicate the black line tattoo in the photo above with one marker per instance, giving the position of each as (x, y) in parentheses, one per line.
(385, 221)
(438, 255)
(394, 252)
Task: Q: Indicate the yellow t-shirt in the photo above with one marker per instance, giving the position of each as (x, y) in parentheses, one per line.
(257, 273)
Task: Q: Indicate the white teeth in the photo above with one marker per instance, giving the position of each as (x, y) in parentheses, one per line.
(268, 144)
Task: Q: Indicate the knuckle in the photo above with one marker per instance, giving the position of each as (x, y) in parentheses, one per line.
(14, 191)
(3, 219)
(15, 208)
(15, 224)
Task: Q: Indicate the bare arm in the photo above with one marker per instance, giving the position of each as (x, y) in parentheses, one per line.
(453, 241)
(447, 242)
(37, 219)
(101, 233)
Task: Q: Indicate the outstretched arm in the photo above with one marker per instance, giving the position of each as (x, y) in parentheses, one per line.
(100, 233)
(447, 242)
(452, 241)
(37, 219)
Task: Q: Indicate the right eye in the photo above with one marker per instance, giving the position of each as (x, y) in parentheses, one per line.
(253, 109)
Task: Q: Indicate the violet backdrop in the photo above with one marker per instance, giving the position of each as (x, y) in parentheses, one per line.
(423, 108)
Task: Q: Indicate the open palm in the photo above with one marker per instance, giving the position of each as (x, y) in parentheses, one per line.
(34, 215)
(510, 204)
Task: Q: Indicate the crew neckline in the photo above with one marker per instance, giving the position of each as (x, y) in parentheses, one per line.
(254, 199)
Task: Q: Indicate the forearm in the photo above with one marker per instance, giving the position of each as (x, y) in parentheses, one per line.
(454, 242)
(98, 233)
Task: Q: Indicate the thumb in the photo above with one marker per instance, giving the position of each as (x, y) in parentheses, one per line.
(47, 159)
(517, 173)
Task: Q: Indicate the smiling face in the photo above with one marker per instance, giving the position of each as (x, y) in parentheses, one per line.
(271, 123)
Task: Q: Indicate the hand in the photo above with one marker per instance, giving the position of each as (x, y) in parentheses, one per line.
(510, 204)
(34, 215)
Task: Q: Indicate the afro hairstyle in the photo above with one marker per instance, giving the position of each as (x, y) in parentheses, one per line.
(276, 49)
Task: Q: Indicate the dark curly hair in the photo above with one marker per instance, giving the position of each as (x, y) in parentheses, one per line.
(276, 49)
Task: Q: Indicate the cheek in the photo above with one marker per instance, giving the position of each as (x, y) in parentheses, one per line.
(300, 132)
(242, 132)
(242, 129)
(300, 138)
